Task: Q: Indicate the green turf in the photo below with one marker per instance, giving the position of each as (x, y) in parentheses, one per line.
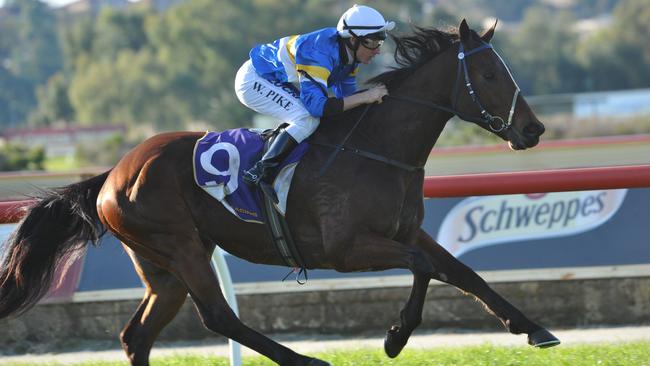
(625, 354)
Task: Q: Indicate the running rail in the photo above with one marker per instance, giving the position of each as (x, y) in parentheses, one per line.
(555, 180)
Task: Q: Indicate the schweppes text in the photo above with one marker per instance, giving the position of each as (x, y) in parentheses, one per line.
(560, 213)
(479, 221)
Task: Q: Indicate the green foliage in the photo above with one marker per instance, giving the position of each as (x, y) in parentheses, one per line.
(541, 53)
(18, 157)
(53, 102)
(16, 98)
(617, 57)
(117, 31)
(176, 68)
(107, 153)
(34, 54)
(29, 55)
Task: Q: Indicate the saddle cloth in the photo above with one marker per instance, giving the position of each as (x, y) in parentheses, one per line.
(219, 160)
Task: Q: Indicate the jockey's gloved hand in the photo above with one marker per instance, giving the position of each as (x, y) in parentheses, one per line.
(375, 94)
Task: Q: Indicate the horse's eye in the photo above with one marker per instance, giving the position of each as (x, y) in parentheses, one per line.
(488, 75)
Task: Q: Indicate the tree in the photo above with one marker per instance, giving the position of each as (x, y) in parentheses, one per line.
(76, 35)
(29, 55)
(35, 54)
(541, 53)
(617, 57)
(53, 102)
(118, 31)
(181, 67)
(18, 157)
(16, 98)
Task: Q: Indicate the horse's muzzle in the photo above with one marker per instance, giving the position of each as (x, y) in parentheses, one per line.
(527, 137)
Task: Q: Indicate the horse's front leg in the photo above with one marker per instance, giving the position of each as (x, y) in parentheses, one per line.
(410, 317)
(452, 271)
(373, 252)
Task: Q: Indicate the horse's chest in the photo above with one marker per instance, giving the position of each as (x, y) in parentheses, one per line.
(386, 212)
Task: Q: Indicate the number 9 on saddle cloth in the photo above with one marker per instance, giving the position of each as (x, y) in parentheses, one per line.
(220, 158)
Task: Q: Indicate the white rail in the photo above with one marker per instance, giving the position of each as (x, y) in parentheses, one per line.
(228, 290)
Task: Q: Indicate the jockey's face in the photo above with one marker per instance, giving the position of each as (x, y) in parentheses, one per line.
(365, 54)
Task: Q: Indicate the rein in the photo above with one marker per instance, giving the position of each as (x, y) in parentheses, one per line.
(366, 154)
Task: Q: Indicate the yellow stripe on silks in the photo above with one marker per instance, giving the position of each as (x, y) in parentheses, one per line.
(291, 48)
(319, 73)
(355, 71)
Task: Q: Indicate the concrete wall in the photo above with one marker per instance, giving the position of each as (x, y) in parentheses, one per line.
(564, 299)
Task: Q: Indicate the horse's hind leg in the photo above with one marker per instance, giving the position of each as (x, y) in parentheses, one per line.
(191, 264)
(164, 296)
(452, 271)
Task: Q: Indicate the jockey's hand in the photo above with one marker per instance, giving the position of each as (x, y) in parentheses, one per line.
(376, 94)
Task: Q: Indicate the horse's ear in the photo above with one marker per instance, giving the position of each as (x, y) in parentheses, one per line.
(464, 31)
(487, 36)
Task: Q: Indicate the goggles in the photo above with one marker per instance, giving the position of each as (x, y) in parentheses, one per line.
(371, 44)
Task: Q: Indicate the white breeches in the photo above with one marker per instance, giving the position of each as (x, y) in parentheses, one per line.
(278, 100)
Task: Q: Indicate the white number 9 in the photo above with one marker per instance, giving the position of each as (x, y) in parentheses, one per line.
(233, 166)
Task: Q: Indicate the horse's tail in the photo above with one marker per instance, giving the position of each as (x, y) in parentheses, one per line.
(60, 223)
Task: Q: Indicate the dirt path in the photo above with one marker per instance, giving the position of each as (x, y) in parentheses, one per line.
(94, 351)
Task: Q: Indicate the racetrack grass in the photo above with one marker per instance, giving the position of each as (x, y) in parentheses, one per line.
(623, 354)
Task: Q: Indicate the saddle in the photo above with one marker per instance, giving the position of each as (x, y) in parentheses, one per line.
(220, 159)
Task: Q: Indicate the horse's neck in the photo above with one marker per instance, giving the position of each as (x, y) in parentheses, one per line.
(407, 131)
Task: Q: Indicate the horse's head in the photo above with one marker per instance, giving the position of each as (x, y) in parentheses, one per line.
(487, 93)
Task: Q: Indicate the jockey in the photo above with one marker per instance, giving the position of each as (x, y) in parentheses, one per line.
(290, 79)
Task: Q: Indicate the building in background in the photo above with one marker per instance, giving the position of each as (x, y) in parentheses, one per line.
(61, 141)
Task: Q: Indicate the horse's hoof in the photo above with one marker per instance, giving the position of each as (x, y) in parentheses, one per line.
(317, 362)
(394, 342)
(542, 339)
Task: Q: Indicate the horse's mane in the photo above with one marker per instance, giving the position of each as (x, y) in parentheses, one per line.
(413, 50)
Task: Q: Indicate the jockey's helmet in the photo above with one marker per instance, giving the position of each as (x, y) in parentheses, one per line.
(363, 22)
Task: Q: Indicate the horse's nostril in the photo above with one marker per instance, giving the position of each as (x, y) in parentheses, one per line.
(534, 129)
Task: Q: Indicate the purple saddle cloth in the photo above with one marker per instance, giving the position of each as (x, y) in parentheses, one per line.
(220, 158)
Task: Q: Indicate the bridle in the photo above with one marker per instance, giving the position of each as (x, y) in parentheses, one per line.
(494, 123)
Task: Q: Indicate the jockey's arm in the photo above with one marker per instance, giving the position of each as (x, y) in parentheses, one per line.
(372, 95)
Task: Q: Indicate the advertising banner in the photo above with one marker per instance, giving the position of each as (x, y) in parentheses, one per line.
(492, 220)
(546, 230)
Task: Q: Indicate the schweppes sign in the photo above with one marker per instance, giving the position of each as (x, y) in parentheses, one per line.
(481, 221)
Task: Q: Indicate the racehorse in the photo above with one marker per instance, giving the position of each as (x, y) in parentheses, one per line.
(363, 214)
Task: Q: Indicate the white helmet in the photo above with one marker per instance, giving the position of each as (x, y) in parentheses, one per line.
(363, 21)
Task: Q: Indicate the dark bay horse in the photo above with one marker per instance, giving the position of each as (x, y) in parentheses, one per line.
(361, 215)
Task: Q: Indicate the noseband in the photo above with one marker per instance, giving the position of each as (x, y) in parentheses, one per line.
(494, 123)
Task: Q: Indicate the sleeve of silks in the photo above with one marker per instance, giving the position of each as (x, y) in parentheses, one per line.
(347, 86)
(314, 69)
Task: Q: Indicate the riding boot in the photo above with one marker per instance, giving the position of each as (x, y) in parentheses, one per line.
(260, 173)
